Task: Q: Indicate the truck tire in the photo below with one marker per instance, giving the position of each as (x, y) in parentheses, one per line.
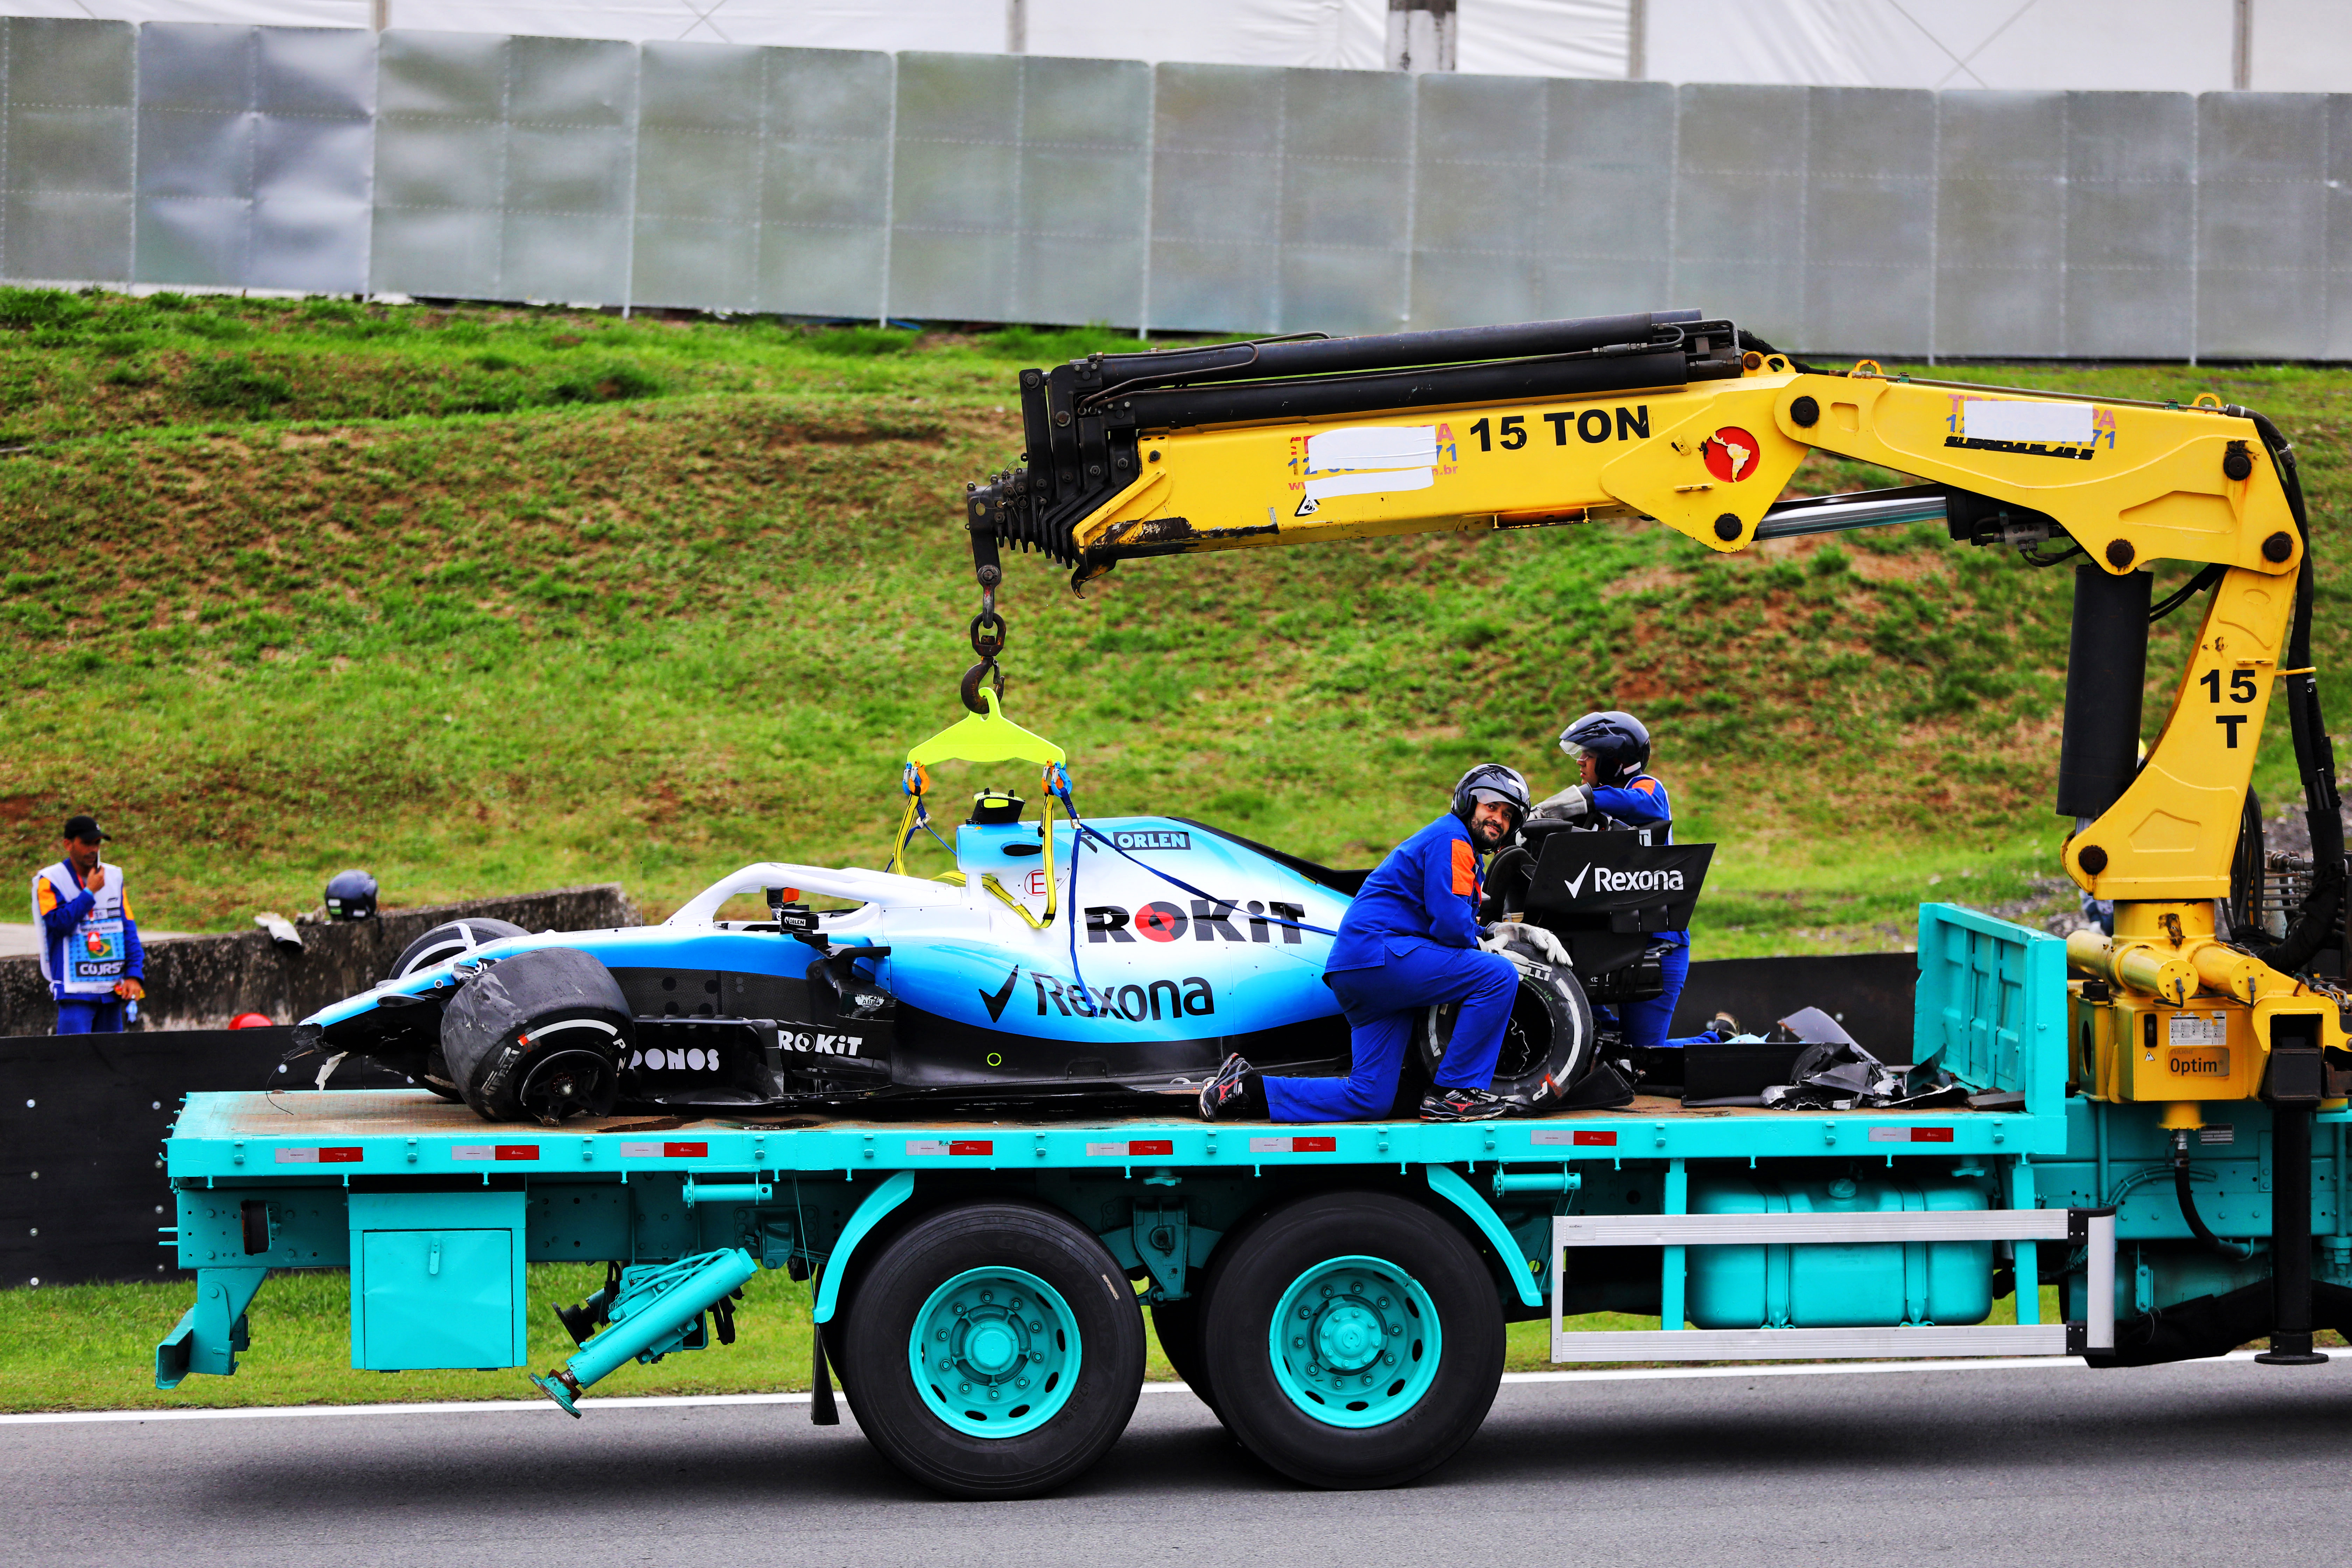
(998, 1351)
(1354, 1340)
(540, 1034)
(1548, 1046)
(1179, 1326)
(447, 941)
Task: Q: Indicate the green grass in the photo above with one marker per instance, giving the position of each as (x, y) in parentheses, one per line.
(491, 599)
(91, 1347)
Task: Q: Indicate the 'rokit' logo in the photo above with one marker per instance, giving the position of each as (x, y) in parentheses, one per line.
(1152, 839)
(1207, 919)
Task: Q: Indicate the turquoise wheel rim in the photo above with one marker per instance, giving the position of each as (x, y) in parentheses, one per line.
(1354, 1342)
(996, 1353)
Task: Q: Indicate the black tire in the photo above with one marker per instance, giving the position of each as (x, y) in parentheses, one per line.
(1180, 1325)
(1548, 1047)
(540, 1034)
(446, 941)
(914, 1271)
(436, 1078)
(1258, 1269)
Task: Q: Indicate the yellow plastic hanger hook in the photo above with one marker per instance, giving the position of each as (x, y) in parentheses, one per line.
(987, 737)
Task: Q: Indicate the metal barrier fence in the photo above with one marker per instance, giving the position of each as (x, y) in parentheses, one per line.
(1176, 197)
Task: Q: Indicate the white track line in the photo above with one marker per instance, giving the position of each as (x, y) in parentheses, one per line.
(681, 1401)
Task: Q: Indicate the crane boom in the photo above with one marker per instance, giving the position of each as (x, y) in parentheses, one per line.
(1682, 419)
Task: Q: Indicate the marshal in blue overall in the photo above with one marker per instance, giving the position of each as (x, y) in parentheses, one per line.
(1612, 752)
(1410, 941)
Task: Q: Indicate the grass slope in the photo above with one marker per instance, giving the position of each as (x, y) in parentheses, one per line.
(484, 599)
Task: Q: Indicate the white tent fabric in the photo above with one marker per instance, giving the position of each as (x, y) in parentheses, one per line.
(2177, 45)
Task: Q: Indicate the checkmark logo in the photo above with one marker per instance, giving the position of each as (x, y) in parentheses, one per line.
(995, 1004)
(1575, 886)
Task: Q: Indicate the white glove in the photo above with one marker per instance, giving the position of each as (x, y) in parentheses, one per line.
(1505, 931)
(1570, 802)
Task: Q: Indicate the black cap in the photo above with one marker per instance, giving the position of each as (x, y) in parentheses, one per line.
(84, 828)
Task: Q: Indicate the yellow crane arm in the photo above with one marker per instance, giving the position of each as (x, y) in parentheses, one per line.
(1686, 420)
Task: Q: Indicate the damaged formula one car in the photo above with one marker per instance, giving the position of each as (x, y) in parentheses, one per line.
(1119, 956)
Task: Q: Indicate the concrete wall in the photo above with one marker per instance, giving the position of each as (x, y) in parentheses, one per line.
(203, 981)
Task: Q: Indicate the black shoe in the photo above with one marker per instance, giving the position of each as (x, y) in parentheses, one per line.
(1466, 1105)
(1233, 1093)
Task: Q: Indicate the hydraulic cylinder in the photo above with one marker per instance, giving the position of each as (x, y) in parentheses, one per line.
(665, 1315)
(2106, 666)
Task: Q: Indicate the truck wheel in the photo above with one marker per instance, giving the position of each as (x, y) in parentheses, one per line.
(1179, 1326)
(1354, 1340)
(538, 1034)
(1548, 1046)
(998, 1351)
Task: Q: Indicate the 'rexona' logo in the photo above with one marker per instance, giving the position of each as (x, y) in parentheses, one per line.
(1605, 881)
(1189, 997)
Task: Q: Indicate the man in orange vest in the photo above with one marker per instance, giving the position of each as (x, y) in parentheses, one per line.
(90, 952)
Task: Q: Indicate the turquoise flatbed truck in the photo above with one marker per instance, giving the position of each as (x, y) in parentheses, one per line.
(1336, 1294)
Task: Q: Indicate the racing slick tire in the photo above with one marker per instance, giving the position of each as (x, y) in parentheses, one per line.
(540, 1034)
(437, 946)
(1548, 1047)
(998, 1351)
(1354, 1338)
(446, 941)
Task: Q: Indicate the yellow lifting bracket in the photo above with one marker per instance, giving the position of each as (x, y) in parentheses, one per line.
(987, 736)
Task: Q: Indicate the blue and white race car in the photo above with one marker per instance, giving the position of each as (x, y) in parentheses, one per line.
(966, 986)
(1119, 956)
(1007, 980)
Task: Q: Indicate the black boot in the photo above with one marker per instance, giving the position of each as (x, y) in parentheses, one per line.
(1236, 1094)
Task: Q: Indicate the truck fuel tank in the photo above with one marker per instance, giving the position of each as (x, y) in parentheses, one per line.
(1862, 1285)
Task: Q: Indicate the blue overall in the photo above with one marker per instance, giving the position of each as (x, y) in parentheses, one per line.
(1641, 802)
(1408, 942)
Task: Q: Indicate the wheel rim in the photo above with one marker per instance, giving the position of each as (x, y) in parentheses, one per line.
(1354, 1342)
(995, 1353)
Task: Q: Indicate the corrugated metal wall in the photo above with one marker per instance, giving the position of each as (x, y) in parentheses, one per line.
(1180, 197)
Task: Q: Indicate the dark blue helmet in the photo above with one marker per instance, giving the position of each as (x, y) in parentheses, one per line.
(1618, 742)
(351, 896)
(1492, 781)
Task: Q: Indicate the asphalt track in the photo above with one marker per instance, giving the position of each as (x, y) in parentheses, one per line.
(2044, 1465)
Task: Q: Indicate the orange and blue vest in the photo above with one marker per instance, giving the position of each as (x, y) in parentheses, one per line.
(90, 942)
(1426, 890)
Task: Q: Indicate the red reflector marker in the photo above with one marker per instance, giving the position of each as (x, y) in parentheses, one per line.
(518, 1151)
(346, 1156)
(971, 1146)
(1603, 1140)
(1314, 1145)
(1151, 1146)
(685, 1150)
